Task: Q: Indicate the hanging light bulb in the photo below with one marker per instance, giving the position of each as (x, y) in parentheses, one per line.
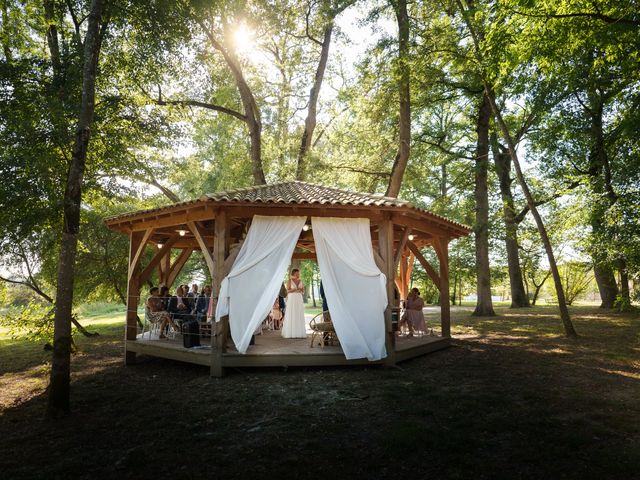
(160, 245)
(411, 237)
(182, 233)
(306, 227)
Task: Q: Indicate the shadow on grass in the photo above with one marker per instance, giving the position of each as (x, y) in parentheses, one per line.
(500, 404)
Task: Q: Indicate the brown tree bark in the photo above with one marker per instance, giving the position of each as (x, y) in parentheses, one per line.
(562, 303)
(404, 126)
(484, 305)
(310, 121)
(606, 281)
(600, 183)
(52, 39)
(624, 284)
(519, 297)
(251, 109)
(59, 385)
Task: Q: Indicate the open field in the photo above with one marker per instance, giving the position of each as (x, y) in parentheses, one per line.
(511, 399)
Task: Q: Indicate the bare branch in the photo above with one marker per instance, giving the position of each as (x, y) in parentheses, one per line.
(197, 103)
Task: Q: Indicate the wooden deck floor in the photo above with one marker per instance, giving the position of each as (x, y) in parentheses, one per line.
(271, 350)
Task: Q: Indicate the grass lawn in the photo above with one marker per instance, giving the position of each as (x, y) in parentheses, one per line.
(511, 399)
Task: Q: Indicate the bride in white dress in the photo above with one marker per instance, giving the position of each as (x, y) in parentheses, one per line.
(294, 323)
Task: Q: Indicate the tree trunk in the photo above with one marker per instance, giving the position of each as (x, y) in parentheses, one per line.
(624, 285)
(444, 189)
(562, 304)
(310, 122)
(404, 127)
(606, 281)
(52, 40)
(59, 385)
(600, 184)
(484, 305)
(251, 109)
(519, 297)
(455, 289)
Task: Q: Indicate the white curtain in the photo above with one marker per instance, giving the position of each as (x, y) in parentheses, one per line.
(354, 286)
(248, 292)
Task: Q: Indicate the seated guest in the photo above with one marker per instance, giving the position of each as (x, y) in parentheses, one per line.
(276, 315)
(193, 291)
(164, 297)
(202, 304)
(413, 316)
(155, 312)
(179, 306)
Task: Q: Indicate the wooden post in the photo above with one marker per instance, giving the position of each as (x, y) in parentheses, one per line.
(220, 244)
(385, 244)
(441, 246)
(136, 247)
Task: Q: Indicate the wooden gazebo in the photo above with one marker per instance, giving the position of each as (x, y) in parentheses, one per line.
(216, 223)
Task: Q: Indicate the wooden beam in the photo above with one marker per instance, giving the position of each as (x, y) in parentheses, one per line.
(425, 264)
(231, 258)
(442, 250)
(178, 265)
(206, 253)
(157, 258)
(378, 259)
(410, 262)
(423, 226)
(217, 273)
(164, 270)
(385, 241)
(174, 219)
(134, 261)
(133, 296)
(304, 256)
(401, 279)
(342, 211)
(401, 245)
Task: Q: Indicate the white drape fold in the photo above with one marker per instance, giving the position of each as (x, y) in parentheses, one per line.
(354, 286)
(248, 292)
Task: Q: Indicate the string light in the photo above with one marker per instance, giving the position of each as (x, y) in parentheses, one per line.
(182, 232)
(306, 227)
(160, 245)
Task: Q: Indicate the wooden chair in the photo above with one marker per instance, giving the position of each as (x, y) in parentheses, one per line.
(322, 329)
(154, 326)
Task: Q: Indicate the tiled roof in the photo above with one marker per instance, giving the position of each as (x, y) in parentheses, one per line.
(296, 193)
(302, 192)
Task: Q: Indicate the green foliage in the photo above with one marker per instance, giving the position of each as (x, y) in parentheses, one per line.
(33, 321)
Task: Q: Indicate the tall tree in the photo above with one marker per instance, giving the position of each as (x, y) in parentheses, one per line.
(404, 121)
(310, 121)
(220, 40)
(59, 386)
(502, 160)
(562, 304)
(484, 305)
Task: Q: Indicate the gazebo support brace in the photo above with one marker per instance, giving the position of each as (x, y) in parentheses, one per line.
(220, 246)
(441, 246)
(136, 247)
